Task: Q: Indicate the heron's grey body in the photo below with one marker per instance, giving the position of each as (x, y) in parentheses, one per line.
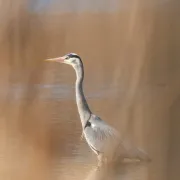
(102, 138)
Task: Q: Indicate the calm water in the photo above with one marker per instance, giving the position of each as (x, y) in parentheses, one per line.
(41, 133)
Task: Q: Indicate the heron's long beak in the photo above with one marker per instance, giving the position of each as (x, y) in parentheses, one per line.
(58, 59)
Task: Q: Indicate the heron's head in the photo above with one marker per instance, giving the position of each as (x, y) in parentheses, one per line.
(71, 59)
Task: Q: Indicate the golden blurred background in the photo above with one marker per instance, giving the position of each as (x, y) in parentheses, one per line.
(130, 51)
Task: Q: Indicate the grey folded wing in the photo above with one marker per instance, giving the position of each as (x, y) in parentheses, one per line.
(100, 136)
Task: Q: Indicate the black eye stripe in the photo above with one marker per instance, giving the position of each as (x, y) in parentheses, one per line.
(73, 56)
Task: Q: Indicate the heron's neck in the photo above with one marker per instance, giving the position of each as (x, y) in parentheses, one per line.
(82, 105)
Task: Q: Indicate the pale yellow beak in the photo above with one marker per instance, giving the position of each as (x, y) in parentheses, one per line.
(58, 59)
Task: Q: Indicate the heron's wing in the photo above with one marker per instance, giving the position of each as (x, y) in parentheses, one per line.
(101, 136)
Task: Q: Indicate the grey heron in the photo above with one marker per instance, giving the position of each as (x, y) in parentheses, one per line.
(104, 140)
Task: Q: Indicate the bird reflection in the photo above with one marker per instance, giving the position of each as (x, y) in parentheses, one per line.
(124, 171)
